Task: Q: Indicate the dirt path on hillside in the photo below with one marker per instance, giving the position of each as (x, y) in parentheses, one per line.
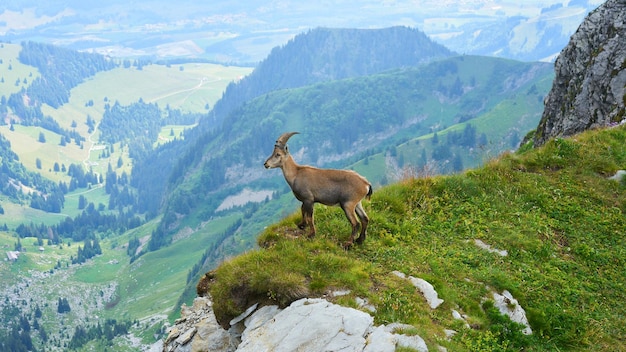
(203, 81)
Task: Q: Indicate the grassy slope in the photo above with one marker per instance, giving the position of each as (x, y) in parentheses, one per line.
(12, 70)
(146, 290)
(553, 209)
(189, 87)
(492, 122)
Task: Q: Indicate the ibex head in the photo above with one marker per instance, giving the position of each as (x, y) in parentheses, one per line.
(281, 152)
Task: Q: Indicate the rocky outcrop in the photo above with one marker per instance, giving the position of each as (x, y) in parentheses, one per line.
(316, 324)
(309, 324)
(590, 76)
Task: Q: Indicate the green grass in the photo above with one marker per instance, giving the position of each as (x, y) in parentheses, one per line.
(553, 209)
(154, 282)
(11, 70)
(96, 195)
(16, 214)
(171, 132)
(32, 258)
(189, 87)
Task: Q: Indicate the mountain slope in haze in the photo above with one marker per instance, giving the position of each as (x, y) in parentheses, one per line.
(227, 31)
(62, 110)
(359, 122)
(316, 56)
(325, 54)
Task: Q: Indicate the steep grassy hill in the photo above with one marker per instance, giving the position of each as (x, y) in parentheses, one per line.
(379, 125)
(553, 209)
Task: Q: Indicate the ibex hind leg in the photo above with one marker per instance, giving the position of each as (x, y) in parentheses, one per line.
(349, 210)
(364, 222)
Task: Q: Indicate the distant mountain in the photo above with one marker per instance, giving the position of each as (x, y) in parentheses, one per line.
(246, 32)
(318, 55)
(325, 54)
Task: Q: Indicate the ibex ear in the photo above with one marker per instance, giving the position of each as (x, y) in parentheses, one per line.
(286, 149)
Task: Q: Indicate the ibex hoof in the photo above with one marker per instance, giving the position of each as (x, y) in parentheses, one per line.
(348, 245)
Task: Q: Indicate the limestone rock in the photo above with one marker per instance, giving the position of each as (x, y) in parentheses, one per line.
(197, 330)
(309, 324)
(589, 88)
(488, 248)
(510, 306)
(425, 288)
(619, 176)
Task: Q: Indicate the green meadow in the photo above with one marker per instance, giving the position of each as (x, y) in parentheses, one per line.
(553, 209)
(14, 75)
(192, 87)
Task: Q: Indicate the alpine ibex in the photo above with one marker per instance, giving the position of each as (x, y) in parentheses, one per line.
(311, 185)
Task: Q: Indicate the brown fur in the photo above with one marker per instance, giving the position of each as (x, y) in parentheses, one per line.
(312, 185)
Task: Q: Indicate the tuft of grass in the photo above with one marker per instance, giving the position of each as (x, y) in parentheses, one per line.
(290, 269)
(553, 209)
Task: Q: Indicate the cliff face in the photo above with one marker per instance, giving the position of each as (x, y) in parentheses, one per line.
(590, 76)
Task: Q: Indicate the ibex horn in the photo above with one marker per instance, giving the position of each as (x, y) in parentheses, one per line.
(282, 140)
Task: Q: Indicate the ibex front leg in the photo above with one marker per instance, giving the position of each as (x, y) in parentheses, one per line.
(307, 217)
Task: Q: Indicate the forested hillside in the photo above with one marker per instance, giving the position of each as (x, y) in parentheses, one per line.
(13, 175)
(61, 69)
(56, 132)
(315, 56)
(325, 54)
(359, 121)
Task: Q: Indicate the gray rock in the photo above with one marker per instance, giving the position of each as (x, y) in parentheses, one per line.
(386, 338)
(510, 306)
(380, 340)
(244, 315)
(260, 317)
(306, 325)
(425, 288)
(619, 176)
(197, 330)
(590, 76)
(488, 248)
(310, 325)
